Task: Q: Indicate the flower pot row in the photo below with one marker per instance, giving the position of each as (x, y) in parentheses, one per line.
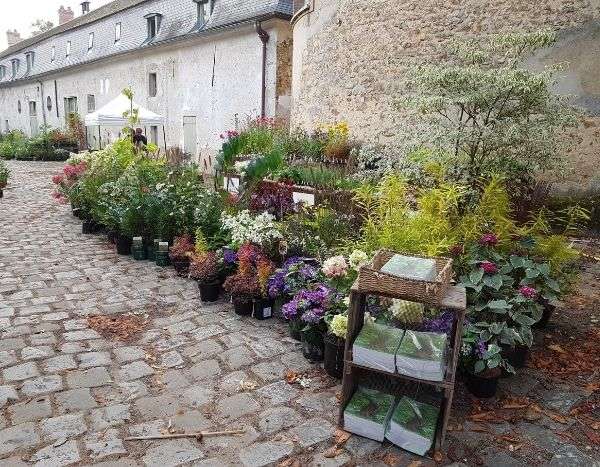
(260, 309)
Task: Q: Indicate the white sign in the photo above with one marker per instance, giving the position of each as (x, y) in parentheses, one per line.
(267, 312)
(306, 198)
(231, 184)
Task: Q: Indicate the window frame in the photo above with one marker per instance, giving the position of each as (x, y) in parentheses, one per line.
(118, 32)
(68, 49)
(152, 84)
(204, 10)
(91, 108)
(30, 60)
(15, 65)
(53, 53)
(90, 41)
(155, 19)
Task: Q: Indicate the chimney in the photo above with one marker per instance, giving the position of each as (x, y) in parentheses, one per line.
(65, 15)
(85, 8)
(12, 37)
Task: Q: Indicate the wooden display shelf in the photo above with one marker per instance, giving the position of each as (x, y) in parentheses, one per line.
(454, 299)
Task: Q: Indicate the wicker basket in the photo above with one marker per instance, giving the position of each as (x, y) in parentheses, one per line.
(372, 281)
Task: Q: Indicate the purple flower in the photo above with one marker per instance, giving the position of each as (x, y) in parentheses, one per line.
(229, 256)
(441, 324)
(308, 271)
(480, 349)
(488, 239)
(528, 292)
(313, 316)
(290, 309)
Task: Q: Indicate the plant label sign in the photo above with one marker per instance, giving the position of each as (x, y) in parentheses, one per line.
(306, 198)
(267, 313)
(231, 184)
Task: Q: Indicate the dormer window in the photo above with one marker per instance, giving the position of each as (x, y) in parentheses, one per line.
(15, 67)
(29, 57)
(153, 24)
(68, 51)
(205, 9)
(2, 72)
(53, 53)
(117, 32)
(90, 41)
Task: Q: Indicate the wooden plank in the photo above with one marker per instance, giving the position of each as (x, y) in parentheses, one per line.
(446, 383)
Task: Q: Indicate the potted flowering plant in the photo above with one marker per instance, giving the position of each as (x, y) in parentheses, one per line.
(294, 275)
(4, 173)
(263, 305)
(181, 252)
(335, 342)
(206, 269)
(244, 285)
(482, 362)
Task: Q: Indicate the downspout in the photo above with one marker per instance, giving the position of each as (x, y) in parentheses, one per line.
(264, 37)
(42, 104)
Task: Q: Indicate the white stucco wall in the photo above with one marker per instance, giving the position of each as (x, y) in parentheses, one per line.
(187, 85)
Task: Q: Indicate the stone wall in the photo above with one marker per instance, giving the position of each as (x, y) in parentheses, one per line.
(350, 56)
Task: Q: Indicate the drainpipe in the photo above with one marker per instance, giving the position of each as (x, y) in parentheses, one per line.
(264, 37)
(42, 104)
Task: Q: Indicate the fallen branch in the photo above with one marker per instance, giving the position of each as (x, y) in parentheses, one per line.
(198, 436)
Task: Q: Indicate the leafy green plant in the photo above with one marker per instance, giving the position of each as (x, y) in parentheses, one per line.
(4, 174)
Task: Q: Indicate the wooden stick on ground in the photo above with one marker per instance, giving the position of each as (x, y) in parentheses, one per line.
(198, 435)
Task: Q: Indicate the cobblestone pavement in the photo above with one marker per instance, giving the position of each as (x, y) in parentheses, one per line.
(69, 396)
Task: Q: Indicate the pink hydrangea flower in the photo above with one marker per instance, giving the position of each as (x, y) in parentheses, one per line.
(58, 179)
(489, 267)
(335, 266)
(528, 292)
(488, 239)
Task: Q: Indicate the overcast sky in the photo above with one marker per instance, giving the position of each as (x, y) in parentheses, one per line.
(19, 14)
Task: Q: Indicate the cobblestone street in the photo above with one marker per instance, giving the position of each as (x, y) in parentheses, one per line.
(70, 396)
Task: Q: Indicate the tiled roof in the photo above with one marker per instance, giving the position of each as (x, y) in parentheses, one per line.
(226, 12)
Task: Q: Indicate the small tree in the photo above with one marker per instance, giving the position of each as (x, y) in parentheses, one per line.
(487, 113)
(40, 26)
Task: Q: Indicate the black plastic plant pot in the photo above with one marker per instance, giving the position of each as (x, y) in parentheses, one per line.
(263, 309)
(295, 332)
(150, 253)
(334, 356)
(242, 307)
(516, 356)
(111, 235)
(313, 347)
(124, 244)
(209, 292)
(161, 258)
(546, 315)
(181, 266)
(88, 227)
(481, 387)
(1, 193)
(278, 307)
(138, 253)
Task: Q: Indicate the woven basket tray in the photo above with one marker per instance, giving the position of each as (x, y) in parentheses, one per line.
(372, 280)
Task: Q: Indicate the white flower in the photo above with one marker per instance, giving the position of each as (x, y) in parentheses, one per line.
(357, 259)
(244, 228)
(335, 266)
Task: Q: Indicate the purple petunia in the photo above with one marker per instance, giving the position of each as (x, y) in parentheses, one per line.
(480, 349)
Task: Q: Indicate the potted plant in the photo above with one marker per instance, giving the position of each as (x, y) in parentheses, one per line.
(4, 173)
(335, 342)
(206, 269)
(181, 252)
(263, 305)
(244, 288)
(482, 363)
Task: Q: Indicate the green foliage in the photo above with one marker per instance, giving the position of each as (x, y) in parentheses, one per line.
(488, 113)
(319, 177)
(4, 174)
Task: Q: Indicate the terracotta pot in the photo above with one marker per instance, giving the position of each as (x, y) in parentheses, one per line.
(209, 292)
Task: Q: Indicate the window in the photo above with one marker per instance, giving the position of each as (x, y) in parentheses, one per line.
(205, 8)
(117, 32)
(153, 21)
(152, 88)
(2, 72)
(32, 108)
(49, 103)
(154, 134)
(70, 107)
(6, 126)
(53, 53)
(90, 41)
(15, 66)
(91, 102)
(29, 58)
(19, 106)
(68, 49)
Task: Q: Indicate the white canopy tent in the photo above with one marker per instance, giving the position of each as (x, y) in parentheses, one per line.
(111, 115)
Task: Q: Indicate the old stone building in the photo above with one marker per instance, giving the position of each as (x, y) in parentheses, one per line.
(350, 57)
(203, 64)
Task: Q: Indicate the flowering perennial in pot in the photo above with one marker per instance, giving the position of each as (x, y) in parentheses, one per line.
(246, 228)
(295, 274)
